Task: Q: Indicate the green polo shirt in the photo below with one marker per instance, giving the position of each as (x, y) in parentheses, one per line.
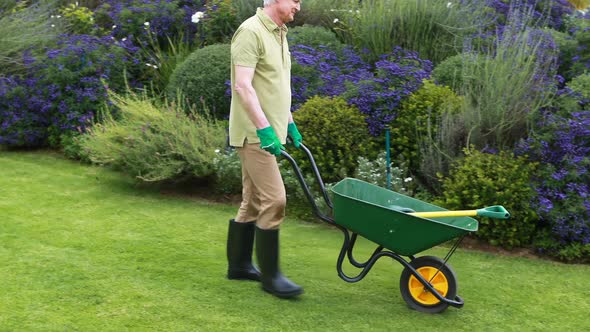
(259, 43)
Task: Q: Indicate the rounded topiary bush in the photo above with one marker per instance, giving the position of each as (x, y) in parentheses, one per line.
(201, 79)
(483, 179)
(336, 133)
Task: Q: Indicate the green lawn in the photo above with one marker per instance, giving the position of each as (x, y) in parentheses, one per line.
(85, 249)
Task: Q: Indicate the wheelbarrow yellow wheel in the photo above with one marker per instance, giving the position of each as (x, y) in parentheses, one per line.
(438, 274)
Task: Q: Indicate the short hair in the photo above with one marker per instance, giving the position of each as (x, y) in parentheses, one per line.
(268, 2)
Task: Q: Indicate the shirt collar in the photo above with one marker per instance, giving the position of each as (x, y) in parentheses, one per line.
(269, 24)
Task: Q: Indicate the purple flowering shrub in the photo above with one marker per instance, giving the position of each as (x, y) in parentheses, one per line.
(166, 18)
(62, 91)
(579, 29)
(562, 186)
(23, 115)
(377, 90)
(545, 12)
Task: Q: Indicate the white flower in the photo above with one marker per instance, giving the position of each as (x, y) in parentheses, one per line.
(124, 39)
(58, 16)
(114, 27)
(197, 17)
(336, 20)
(147, 24)
(53, 25)
(217, 151)
(449, 4)
(407, 179)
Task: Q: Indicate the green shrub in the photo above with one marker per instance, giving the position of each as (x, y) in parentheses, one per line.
(244, 9)
(579, 28)
(202, 79)
(576, 101)
(314, 36)
(155, 142)
(482, 179)
(228, 172)
(568, 50)
(423, 107)
(80, 18)
(450, 72)
(219, 23)
(320, 12)
(336, 133)
(581, 85)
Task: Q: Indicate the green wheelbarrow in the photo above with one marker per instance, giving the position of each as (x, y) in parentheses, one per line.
(401, 226)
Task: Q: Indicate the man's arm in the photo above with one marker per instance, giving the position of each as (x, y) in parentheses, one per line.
(244, 89)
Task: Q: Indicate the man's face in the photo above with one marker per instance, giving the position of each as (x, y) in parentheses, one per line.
(287, 9)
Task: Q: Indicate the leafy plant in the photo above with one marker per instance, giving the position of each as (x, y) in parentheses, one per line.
(218, 23)
(337, 134)
(80, 18)
(483, 179)
(155, 142)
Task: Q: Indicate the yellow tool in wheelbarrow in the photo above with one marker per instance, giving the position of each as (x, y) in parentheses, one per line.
(495, 212)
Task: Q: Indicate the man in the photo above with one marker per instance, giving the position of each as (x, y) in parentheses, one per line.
(259, 123)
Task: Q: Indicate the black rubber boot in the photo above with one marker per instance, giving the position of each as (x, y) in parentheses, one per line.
(240, 240)
(267, 251)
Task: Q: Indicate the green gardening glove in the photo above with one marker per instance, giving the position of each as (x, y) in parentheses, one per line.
(269, 140)
(294, 134)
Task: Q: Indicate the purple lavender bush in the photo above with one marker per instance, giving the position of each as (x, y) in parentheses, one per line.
(376, 89)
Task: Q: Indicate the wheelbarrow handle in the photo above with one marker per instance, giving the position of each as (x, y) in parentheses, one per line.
(304, 185)
(494, 212)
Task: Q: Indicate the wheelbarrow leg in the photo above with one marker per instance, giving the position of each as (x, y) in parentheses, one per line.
(267, 252)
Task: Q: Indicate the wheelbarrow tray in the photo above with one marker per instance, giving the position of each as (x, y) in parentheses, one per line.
(370, 211)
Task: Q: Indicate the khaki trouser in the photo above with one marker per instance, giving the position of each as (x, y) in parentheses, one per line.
(263, 193)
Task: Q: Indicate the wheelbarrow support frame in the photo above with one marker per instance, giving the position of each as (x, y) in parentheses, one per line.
(351, 237)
